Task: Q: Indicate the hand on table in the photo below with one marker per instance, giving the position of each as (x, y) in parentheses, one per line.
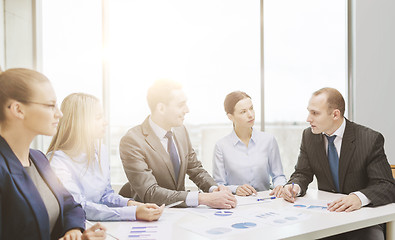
(222, 188)
(134, 203)
(245, 190)
(73, 234)
(277, 191)
(289, 192)
(345, 204)
(218, 199)
(149, 211)
(96, 232)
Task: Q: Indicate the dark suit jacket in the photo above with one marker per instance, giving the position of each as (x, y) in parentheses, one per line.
(23, 213)
(363, 165)
(150, 171)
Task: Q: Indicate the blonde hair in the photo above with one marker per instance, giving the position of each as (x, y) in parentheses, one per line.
(76, 133)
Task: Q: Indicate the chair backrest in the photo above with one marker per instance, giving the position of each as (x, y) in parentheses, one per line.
(393, 170)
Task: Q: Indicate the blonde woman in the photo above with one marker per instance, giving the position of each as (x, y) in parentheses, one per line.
(33, 205)
(81, 163)
(246, 159)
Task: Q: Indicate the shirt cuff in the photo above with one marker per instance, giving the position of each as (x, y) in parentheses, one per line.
(192, 199)
(212, 188)
(364, 200)
(128, 213)
(298, 194)
(124, 201)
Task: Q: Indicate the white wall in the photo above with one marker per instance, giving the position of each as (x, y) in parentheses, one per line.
(2, 53)
(374, 68)
(19, 44)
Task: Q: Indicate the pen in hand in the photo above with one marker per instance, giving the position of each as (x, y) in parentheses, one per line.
(107, 233)
(292, 190)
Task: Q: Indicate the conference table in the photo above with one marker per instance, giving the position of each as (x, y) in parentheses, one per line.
(176, 223)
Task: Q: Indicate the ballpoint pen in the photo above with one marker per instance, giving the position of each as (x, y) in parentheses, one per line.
(108, 234)
(266, 198)
(292, 190)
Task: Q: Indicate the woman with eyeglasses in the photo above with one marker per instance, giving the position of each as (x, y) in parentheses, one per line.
(246, 159)
(33, 203)
(82, 163)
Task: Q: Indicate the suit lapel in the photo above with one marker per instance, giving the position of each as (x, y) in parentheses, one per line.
(27, 188)
(346, 153)
(156, 145)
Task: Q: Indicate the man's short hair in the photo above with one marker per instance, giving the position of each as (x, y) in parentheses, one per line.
(334, 99)
(160, 92)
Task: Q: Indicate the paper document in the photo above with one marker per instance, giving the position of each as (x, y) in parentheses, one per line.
(311, 205)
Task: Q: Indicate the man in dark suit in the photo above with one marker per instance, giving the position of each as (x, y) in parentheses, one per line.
(345, 158)
(157, 155)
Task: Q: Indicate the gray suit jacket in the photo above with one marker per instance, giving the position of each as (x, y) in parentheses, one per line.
(363, 165)
(150, 171)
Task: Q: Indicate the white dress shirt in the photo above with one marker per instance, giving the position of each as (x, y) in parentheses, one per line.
(91, 186)
(236, 164)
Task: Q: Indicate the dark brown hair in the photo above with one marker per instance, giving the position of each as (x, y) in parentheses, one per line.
(334, 99)
(160, 92)
(232, 99)
(16, 84)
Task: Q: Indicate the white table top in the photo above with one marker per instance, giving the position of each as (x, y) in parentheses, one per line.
(318, 225)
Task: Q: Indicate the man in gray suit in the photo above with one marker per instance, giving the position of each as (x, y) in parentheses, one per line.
(157, 155)
(345, 157)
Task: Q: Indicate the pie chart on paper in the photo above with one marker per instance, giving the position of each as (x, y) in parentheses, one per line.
(244, 225)
(223, 213)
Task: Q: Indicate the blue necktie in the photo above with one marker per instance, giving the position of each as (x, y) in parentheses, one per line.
(333, 161)
(171, 148)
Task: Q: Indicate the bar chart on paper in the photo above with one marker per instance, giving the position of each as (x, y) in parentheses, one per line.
(144, 232)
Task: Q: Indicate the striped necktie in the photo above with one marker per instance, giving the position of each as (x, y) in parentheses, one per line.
(333, 161)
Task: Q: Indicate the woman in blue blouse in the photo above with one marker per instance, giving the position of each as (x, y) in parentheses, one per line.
(33, 204)
(246, 158)
(81, 162)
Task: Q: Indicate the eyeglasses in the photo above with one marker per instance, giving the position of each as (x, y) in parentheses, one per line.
(53, 107)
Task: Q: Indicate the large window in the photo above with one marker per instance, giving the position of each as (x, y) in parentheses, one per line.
(211, 47)
(304, 50)
(72, 48)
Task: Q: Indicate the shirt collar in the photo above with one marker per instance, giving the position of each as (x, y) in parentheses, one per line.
(159, 132)
(236, 139)
(340, 131)
(253, 136)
